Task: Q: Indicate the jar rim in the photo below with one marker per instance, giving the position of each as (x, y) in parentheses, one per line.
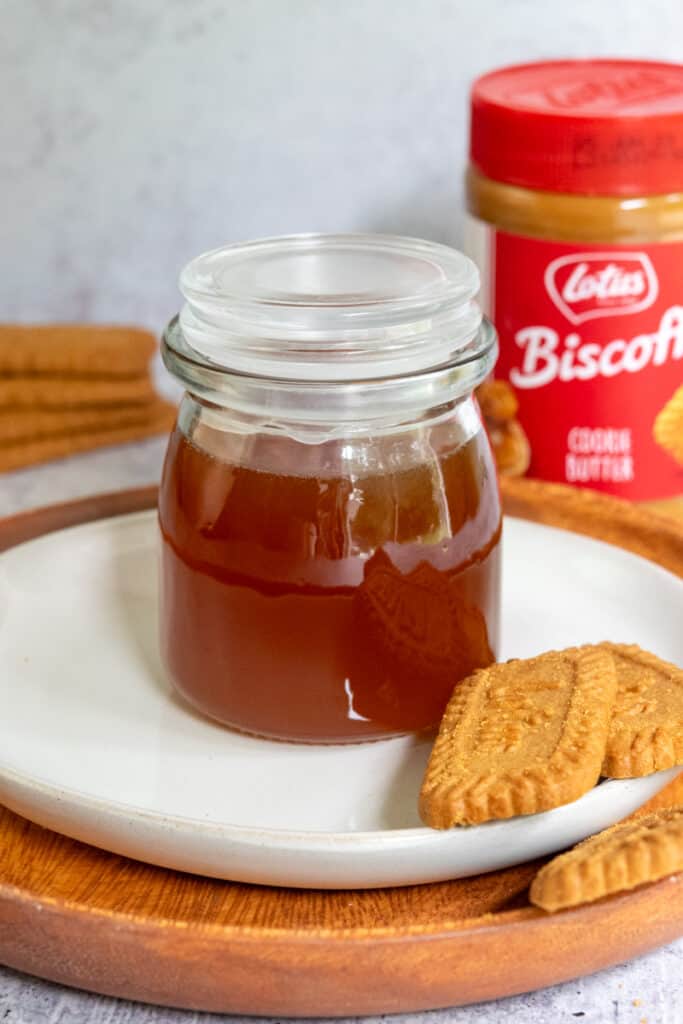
(351, 404)
(330, 306)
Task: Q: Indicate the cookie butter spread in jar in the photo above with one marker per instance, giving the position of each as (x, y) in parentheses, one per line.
(575, 195)
(329, 511)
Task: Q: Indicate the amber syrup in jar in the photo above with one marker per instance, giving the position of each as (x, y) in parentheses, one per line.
(330, 550)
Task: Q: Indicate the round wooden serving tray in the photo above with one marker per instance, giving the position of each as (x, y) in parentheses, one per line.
(83, 917)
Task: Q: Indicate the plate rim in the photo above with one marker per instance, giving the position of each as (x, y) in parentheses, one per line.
(283, 837)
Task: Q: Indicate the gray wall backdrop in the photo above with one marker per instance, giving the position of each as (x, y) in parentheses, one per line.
(135, 134)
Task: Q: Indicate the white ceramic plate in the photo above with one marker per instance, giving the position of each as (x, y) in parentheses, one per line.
(94, 745)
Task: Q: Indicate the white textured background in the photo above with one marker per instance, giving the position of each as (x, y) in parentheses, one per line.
(136, 133)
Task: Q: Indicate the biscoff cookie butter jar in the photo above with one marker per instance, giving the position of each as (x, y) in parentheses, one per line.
(329, 509)
(575, 198)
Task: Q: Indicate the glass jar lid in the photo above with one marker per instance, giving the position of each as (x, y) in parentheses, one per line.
(330, 307)
(353, 325)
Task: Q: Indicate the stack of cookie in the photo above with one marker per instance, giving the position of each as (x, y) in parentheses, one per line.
(499, 408)
(70, 388)
(533, 734)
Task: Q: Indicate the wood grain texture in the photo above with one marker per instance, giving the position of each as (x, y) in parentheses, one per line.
(83, 917)
(655, 536)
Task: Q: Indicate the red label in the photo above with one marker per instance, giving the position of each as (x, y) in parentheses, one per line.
(591, 339)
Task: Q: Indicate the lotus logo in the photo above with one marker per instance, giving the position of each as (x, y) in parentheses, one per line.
(589, 285)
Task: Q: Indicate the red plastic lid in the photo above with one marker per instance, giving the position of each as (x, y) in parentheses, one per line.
(601, 127)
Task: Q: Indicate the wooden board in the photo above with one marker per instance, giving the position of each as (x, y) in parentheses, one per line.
(77, 915)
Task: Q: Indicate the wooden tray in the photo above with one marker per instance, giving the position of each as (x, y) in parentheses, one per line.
(77, 915)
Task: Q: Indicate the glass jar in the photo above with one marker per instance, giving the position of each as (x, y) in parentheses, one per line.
(329, 511)
(575, 197)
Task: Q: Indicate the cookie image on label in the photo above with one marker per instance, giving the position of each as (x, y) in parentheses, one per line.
(668, 426)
